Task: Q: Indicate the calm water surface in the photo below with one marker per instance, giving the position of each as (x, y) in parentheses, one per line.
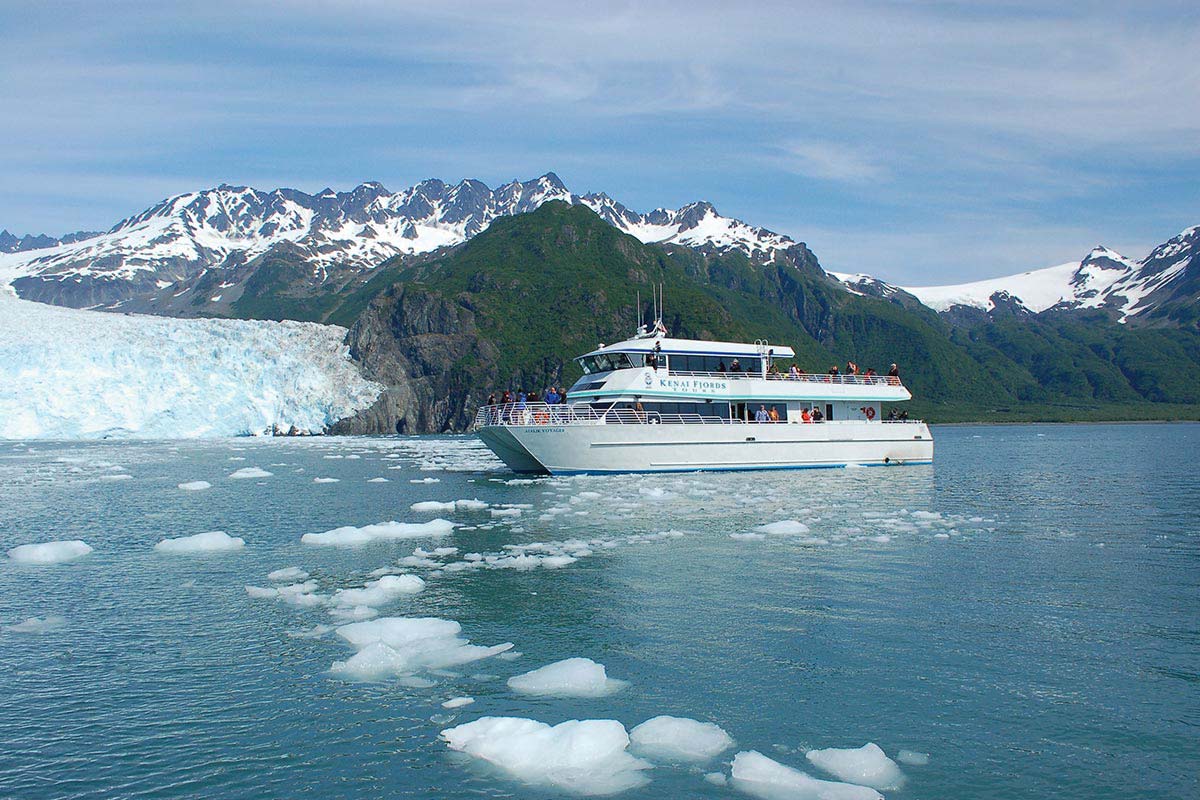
(1026, 611)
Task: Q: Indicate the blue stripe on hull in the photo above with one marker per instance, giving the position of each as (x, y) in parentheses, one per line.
(734, 469)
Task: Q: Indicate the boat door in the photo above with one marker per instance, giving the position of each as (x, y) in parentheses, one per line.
(738, 411)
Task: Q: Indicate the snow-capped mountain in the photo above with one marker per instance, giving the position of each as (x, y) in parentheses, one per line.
(184, 236)
(1104, 279)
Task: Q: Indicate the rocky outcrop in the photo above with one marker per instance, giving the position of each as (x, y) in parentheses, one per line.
(428, 352)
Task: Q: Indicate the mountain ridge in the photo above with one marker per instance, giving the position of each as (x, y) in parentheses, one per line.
(181, 238)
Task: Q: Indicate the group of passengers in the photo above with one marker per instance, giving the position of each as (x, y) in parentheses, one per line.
(522, 399)
(772, 415)
(835, 375)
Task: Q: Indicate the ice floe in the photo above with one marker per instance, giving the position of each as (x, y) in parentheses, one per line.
(436, 507)
(207, 542)
(571, 677)
(250, 472)
(349, 536)
(787, 527)
(326, 480)
(757, 775)
(867, 765)
(587, 757)
(913, 758)
(39, 625)
(379, 592)
(50, 552)
(391, 647)
(195, 486)
(287, 574)
(458, 702)
(665, 738)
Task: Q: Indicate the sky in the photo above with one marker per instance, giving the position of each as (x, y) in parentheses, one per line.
(921, 142)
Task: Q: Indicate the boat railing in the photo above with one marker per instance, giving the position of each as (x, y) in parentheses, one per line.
(526, 414)
(852, 380)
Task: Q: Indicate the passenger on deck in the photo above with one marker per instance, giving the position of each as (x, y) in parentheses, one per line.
(562, 395)
(761, 415)
(805, 416)
(532, 397)
(817, 416)
(794, 373)
(506, 398)
(491, 401)
(639, 411)
(892, 414)
(894, 372)
(834, 376)
(851, 368)
(773, 414)
(551, 396)
(735, 366)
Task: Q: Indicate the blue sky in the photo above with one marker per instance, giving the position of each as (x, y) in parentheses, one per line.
(920, 142)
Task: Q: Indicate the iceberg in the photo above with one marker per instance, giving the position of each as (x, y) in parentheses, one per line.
(867, 765)
(666, 738)
(587, 757)
(571, 677)
(50, 552)
(209, 542)
(755, 774)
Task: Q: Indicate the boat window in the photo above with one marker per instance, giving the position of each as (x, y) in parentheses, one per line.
(605, 362)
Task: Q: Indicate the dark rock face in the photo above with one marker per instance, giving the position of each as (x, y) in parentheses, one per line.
(428, 352)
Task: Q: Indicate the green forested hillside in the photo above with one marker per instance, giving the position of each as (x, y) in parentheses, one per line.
(535, 290)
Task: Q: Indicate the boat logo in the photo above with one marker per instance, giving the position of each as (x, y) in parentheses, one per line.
(649, 379)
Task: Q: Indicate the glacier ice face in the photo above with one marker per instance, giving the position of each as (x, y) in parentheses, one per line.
(588, 757)
(73, 374)
(50, 552)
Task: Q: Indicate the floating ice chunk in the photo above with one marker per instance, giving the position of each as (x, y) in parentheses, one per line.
(458, 702)
(315, 632)
(195, 486)
(571, 677)
(287, 574)
(435, 506)
(377, 480)
(39, 624)
(350, 536)
(506, 512)
(250, 472)
(746, 537)
(326, 480)
(678, 739)
(393, 646)
(866, 765)
(379, 592)
(755, 774)
(787, 527)
(882, 538)
(262, 592)
(353, 613)
(50, 552)
(207, 542)
(587, 757)
(941, 536)
(423, 480)
(913, 757)
(716, 778)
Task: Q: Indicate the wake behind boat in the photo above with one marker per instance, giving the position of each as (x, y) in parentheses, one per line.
(659, 404)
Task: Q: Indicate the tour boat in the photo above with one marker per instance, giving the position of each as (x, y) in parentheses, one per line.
(654, 403)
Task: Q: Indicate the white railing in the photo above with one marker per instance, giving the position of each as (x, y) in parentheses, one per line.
(808, 377)
(524, 414)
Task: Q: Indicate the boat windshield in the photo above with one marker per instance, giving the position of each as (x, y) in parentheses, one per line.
(607, 362)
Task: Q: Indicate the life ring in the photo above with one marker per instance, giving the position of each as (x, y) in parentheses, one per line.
(870, 412)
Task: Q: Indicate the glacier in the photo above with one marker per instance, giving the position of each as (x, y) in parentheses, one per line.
(76, 374)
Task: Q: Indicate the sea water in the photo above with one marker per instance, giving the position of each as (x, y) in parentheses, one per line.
(1021, 619)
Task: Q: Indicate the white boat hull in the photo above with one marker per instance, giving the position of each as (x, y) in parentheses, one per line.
(548, 448)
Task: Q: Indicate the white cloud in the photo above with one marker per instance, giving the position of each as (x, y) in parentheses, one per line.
(829, 161)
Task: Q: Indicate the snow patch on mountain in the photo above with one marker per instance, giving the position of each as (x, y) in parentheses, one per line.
(71, 374)
(1102, 279)
(185, 235)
